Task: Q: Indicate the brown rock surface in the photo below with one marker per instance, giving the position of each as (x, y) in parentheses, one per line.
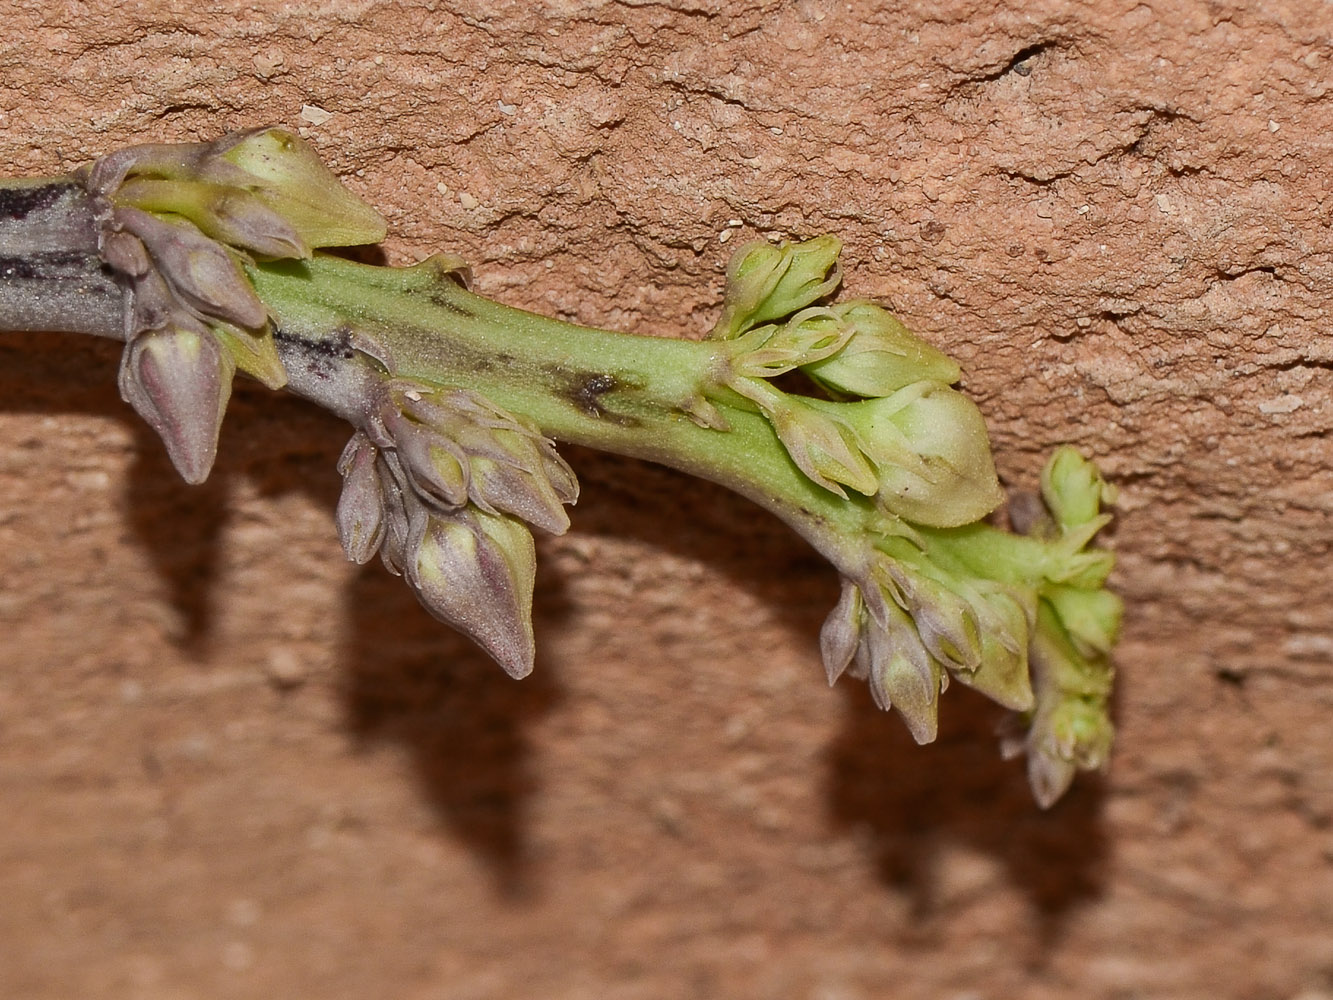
(233, 766)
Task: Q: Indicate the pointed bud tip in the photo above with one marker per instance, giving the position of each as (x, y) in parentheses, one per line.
(179, 381)
(293, 181)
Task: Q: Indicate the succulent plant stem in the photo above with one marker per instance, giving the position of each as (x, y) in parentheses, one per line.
(203, 259)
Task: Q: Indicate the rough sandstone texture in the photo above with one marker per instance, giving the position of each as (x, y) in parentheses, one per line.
(233, 766)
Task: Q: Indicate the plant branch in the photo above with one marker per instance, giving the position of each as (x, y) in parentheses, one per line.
(203, 259)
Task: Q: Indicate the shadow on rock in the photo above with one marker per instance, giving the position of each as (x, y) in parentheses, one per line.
(410, 679)
(413, 680)
(704, 523)
(180, 528)
(911, 802)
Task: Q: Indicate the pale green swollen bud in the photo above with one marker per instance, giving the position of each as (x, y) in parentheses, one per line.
(289, 177)
(930, 451)
(1003, 674)
(880, 356)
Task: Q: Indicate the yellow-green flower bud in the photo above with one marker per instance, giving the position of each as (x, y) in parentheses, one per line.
(767, 282)
(902, 674)
(768, 351)
(1073, 488)
(880, 356)
(289, 177)
(1090, 617)
(1002, 674)
(822, 447)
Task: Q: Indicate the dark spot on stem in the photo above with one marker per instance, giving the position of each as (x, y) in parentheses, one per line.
(337, 345)
(18, 203)
(48, 265)
(586, 391)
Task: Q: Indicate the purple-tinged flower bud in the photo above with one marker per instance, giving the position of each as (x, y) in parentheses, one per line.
(360, 517)
(945, 621)
(202, 272)
(456, 447)
(1070, 728)
(231, 215)
(903, 675)
(159, 159)
(842, 630)
(179, 380)
(405, 516)
(125, 253)
(475, 571)
(1049, 774)
(434, 465)
(504, 486)
(1073, 734)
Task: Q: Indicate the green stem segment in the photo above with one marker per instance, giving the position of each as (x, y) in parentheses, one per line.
(611, 391)
(581, 385)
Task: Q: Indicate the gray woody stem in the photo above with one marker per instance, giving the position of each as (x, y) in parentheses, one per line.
(51, 275)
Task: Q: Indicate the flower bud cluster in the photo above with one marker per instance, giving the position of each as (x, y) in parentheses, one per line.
(890, 427)
(893, 428)
(905, 629)
(443, 484)
(846, 425)
(179, 223)
(1069, 728)
(906, 626)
